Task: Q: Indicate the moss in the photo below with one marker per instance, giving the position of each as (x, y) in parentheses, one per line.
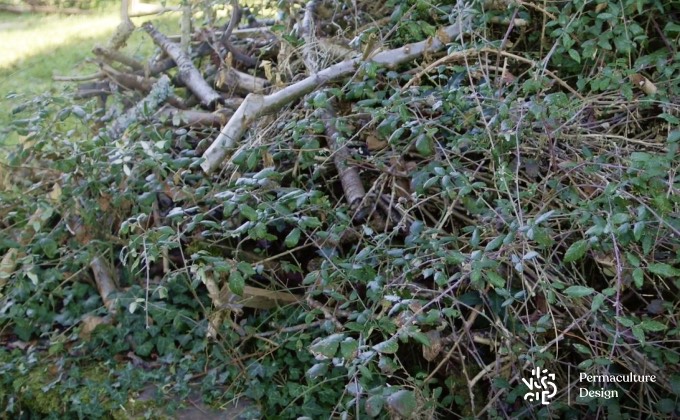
(38, 393)
(85, 391)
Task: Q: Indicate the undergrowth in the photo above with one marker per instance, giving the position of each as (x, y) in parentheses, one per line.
(522, 212)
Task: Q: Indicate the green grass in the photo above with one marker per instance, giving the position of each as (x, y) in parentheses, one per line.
(37, 47)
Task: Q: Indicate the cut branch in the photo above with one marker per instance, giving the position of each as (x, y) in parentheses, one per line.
(256, 105)
(229, 79)
(352, 186)
(187, 72)
(103, 277)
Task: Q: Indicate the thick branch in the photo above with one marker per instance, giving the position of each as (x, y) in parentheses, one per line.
(229, 79)
(106, 284)
(255, 105)
(187, 72)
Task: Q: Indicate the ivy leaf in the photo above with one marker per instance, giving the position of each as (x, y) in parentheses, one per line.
(576, 251)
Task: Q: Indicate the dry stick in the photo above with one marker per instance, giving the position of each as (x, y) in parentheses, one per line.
(155, 11)
(352, 186)
(458, 55)
(84, 78)
(255, 106)
(187, 72)
(233, 23)
(130, 81)
(113, 55)
(103, 277)
(230, 79)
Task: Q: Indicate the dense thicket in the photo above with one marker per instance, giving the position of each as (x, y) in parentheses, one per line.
(416, 204)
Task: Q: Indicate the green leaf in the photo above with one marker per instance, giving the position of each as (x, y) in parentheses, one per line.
(328, 346)
(494, 278)
(49, 247)
(663, 270)
(374, 405)
(317, 370)
(246, 268)
(639, 334)
(598, 300)
(403, 403)
(236, 282)
(582, 349)
(348, 348)
(494, 244)
(575, 56)
(576, 251)
(578, 291)
(651, 325)
(626, 322)
(248, 212)
(293, 238)
(638, 277)
(387, 347)
(424, 145)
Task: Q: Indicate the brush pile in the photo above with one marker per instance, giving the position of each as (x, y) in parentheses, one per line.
(416, 204)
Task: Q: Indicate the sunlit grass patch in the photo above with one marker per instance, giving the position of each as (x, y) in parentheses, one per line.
(37, 47)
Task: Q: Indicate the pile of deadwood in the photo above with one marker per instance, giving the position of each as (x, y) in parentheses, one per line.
(227, 78)
(225, 83)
